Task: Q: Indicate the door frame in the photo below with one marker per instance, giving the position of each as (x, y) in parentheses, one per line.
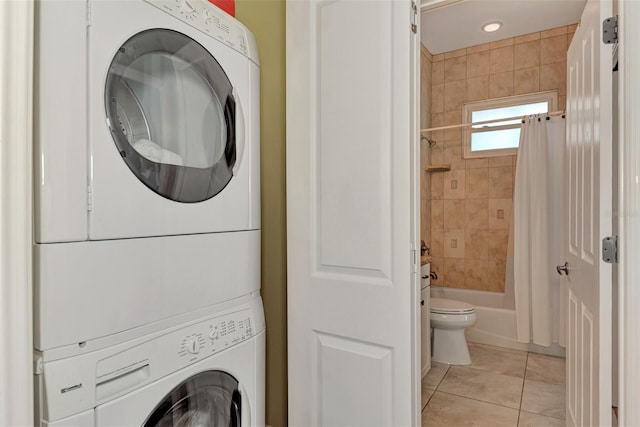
(628, 205)
(16, 142)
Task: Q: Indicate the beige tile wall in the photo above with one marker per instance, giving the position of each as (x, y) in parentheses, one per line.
(471, 205)
(425, 118)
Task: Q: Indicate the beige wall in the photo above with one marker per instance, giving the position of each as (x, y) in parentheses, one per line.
(470, 205)
(266, 19)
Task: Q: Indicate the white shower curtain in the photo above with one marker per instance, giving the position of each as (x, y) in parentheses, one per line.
(538, 229)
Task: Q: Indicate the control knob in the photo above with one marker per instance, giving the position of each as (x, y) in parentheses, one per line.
(185, 6)
(192, 346)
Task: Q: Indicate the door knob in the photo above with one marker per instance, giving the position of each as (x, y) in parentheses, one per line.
(563, 269)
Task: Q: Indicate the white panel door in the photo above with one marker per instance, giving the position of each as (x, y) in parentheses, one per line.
(353, 290)
(589, 170)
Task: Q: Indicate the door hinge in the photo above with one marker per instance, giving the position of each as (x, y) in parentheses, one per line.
(414, 19)
(610, 30)
(610, 250)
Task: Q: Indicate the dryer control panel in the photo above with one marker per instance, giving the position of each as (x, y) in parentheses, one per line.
(205, 17)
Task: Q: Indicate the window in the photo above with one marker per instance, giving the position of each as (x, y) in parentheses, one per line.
(501, 138)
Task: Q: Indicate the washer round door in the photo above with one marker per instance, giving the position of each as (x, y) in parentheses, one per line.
(208, 399)
(171, 112)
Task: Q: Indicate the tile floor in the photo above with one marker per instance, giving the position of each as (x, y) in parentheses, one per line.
(501, 387)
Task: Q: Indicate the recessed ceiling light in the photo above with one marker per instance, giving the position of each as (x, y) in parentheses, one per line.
(492, 26)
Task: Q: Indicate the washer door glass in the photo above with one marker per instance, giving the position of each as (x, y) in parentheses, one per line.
(171, 113)
(208, 399)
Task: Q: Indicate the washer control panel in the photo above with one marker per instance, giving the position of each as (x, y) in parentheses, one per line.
(216, 335)
(205, 17)
(75, 384)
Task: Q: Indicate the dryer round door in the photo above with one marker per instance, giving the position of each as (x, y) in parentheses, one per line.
(210, 398)
(171, 112)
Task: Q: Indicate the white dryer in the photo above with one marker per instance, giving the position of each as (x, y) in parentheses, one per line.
(147, 121)
(204, 373)
(147, 200)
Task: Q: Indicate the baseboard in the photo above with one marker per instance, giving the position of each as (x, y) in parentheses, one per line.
(425, 370)
(483, 337)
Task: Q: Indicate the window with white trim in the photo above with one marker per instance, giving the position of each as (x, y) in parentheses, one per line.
(501, 137)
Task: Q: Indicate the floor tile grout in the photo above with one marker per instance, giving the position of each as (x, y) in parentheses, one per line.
(477, 400)
(543, 415)
(524, 375)
(519, 410)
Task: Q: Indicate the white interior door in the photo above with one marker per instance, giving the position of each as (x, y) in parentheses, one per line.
(589, 169)
(352, 227)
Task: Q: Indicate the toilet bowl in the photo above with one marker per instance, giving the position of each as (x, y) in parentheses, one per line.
(449, 319)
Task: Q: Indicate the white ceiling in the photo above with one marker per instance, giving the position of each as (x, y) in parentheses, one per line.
(454, 24)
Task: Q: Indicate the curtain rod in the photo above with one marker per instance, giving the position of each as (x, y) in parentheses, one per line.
(464, 125)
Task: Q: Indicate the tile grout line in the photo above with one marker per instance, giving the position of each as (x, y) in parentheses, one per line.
(526, 365)
(454, 393)
(478, 400)
(435, 389)
(442, 379)
(448, 368)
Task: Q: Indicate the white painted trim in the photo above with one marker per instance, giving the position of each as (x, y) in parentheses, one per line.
(426, 5)
(629, 211)
(16, 94)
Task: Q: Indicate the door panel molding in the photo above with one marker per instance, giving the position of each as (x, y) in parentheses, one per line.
(352, 213)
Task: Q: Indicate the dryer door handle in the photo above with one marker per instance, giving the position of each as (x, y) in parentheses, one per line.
(240, 132)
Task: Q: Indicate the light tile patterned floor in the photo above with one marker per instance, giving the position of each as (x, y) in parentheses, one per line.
(501, 387)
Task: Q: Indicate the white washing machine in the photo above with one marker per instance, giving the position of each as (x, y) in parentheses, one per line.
(209, 372)
(146, 165)
(147, 120)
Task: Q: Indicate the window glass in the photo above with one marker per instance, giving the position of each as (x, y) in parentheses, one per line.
(506, 112)
(495, 140)
(501, 137)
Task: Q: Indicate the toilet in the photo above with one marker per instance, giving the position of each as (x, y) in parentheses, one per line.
(449, 318)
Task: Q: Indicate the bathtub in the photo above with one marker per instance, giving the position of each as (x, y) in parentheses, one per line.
(496, 324)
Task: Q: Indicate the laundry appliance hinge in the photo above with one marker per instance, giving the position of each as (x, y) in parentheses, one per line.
(610, 30)
(38, 364)
(610, 250)
(414, 18)
(89, 199)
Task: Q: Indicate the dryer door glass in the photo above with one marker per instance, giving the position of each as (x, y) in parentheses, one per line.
(210, 399)
(171, 112)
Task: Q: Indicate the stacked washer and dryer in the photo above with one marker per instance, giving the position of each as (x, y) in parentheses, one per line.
(147, 253)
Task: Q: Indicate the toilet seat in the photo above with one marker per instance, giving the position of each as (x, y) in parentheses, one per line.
(447, 306)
